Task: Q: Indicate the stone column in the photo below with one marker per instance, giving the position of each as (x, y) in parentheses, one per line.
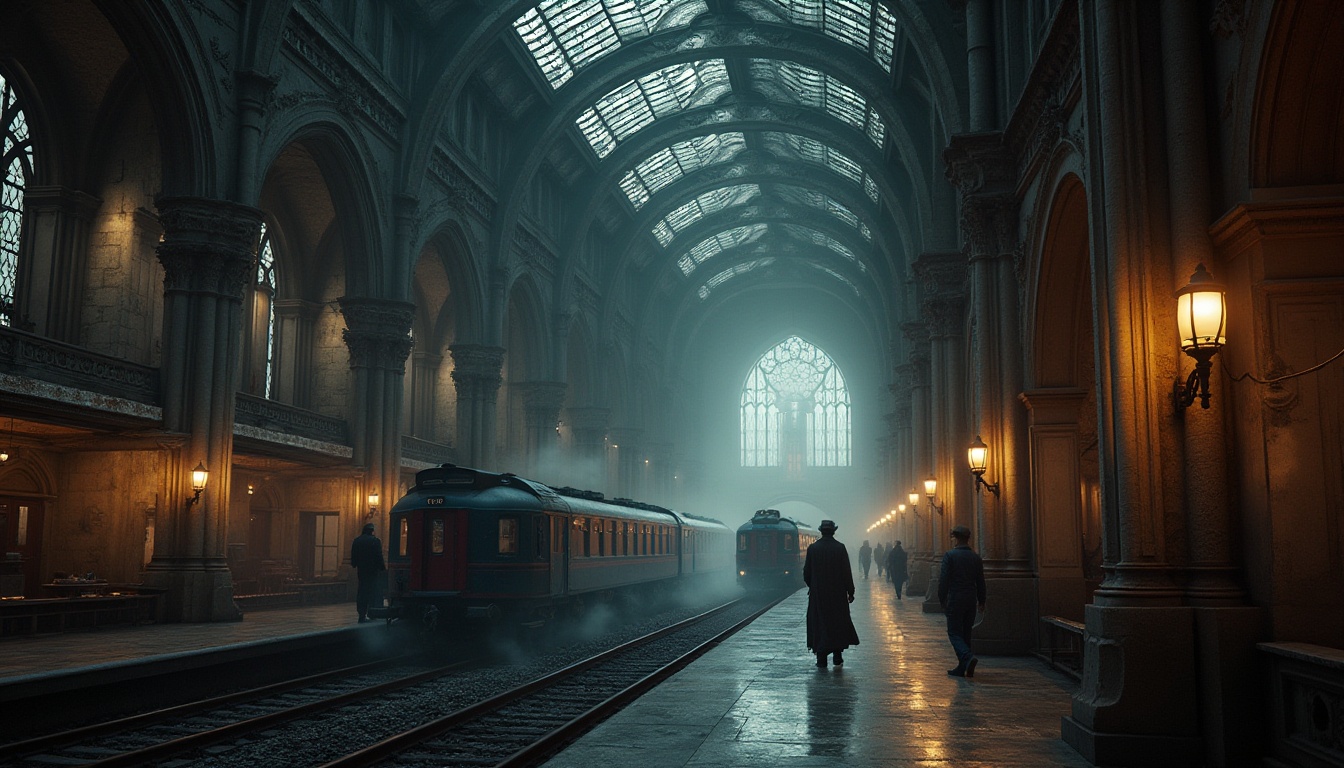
(476, 375)
(378, 335)
(984, 173)
(424, 384)
(542, 401)
(291, 372)
(588, 428)
(1137, 631)
(921, 559)
(55, 251)
(207, 254)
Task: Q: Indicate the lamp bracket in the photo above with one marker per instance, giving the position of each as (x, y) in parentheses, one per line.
(993, 487)
(935, 506)
(1197, 383)
(195, 497)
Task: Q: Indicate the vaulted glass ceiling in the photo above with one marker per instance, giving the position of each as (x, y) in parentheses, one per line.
(564, 37)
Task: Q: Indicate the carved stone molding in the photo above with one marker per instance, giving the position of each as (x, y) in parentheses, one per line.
(945, 315)
(989, 225)
(377, 332)
(208, 246)
(476, 370)
(979, 162)
(542, 401)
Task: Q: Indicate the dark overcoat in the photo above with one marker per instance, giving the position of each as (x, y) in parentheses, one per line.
(830, 585)
(897, 561)
(366, 555)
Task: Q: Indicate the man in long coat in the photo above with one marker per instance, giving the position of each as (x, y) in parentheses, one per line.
(366, 556)
(897, 563)
(826, 572)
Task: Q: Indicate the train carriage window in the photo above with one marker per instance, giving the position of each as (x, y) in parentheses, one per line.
(790, 544)
(541, 537)
(576, 542)
(741, 542)
(403, 533)
(436, 537)
(508, 535)
(600, 530)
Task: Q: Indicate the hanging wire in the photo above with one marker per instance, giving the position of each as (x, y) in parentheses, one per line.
(1277, 379)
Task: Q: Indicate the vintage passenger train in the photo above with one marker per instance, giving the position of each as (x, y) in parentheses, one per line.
(466, 544)
(771, 550)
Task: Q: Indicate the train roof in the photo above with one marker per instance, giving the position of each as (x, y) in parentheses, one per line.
(771, 519)
(492, 489)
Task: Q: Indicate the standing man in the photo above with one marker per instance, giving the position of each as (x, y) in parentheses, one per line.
(961, 588)
(865, 557)
(366, 556)
(826, 572)
(897, 563)
(879, 558)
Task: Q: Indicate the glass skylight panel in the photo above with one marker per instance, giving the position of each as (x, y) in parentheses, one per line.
(730, 273)
(865, 24)
(564, 36)
(826, 241)
(692, 211)
(712, 246)
(822, 91)
(671, 163)
(839, 277)
(639, 102)
(814, 151)
(824, 202)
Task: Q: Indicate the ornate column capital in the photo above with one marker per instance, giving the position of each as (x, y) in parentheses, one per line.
(989, 226)
(208, 246)
(377, 332)
(477, 363)
(979, 163)
(542, 399)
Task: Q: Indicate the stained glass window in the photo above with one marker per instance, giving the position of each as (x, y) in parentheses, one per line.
(16, 162)
(266, 292)
(795, 409)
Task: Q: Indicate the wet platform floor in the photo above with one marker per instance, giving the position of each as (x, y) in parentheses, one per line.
(759, 700)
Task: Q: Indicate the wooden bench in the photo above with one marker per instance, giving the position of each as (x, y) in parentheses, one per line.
(1062, 645)
(61, 614)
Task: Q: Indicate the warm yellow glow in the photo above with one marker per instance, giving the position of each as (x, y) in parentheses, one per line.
(901, 508)
(373, 499)
(1201, 312)
(977, 455)
(199, 476)
(914, 499)
(930, 487)
(4, 455)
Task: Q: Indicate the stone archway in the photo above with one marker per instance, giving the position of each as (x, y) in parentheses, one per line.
(1062, 435)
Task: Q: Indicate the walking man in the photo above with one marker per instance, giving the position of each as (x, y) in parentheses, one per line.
(366, 556)
(961, 588)
(897, 563)
(865, 557)
(826, 572)
(879, 558)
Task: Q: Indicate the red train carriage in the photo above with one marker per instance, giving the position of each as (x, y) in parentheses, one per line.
(467, 544)
(771, 549)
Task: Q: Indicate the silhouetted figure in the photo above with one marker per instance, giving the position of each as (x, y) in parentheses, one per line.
(830, 583)
(865, 557)
(879, 558)
(366, 556)
(961, 587)
(897, 567)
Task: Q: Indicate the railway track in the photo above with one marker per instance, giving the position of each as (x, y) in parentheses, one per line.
(525, 725)
(309, 721)
(144, 738)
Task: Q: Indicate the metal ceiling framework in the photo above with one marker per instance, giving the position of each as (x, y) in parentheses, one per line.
(710, 118)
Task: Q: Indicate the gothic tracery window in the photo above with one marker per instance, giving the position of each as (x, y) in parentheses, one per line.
(16, 164)
(265, 309)
(795, 410)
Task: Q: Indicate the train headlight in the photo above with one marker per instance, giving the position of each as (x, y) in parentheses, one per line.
(741, 573)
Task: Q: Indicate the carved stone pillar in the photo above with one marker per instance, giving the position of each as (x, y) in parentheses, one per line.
(542, 401)
(377, 334)
(922, 557)
(52, 269)
(588, 427)
(1055, 448)
(424, 384)
(207, 256)
(476, 375)
(291, 371)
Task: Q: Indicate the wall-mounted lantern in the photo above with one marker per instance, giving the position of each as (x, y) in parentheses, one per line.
(1201, 320)
(930, 490)
(978, 457)
(199, 477)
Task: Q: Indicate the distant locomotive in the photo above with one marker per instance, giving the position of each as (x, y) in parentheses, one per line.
(771, 549)
(466, 544)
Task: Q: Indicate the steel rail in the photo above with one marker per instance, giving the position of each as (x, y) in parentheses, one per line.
(376, 753)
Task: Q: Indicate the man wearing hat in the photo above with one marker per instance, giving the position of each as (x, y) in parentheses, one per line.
(366, 556)
(830, 582)
(961, 587)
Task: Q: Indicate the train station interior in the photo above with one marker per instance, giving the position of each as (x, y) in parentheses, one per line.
(1069, 273)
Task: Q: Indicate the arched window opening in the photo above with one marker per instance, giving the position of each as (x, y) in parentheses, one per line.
(17, 165)
(795, 410)
(265, 308)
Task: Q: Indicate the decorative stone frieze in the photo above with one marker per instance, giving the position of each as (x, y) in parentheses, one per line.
(377, 332)
(980, 163)
(989, 226)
